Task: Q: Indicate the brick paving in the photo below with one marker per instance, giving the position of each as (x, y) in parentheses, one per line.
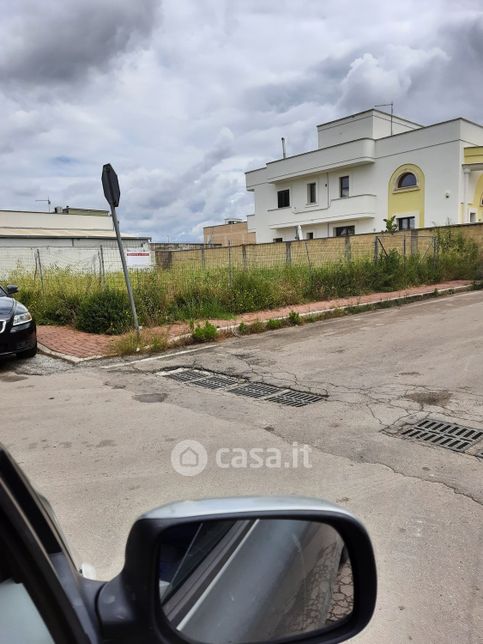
(77, 344)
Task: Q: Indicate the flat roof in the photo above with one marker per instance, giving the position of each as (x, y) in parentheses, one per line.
(52, 212)
(231, 223)
(349, 116)
(390, 136)
(64, 233)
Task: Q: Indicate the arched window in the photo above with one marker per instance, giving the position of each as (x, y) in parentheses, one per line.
(407, 180)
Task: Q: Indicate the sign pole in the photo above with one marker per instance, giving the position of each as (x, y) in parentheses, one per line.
(112, 193)
(125, 271)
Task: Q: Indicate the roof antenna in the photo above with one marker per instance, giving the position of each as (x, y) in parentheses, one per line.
(284, 152)
(47, 201)
(391, 105)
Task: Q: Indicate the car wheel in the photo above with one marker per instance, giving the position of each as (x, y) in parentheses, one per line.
(30, 353)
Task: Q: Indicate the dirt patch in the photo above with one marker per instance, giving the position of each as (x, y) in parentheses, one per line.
(10, 377)
(150, 398)
(435, 398)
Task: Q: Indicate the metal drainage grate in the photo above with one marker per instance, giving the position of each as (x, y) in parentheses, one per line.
(450, 429)
(455, 444)
(255, 390)
(187, 375)
(294, 398)
(240, 387)
(216, 382)
(448, 435)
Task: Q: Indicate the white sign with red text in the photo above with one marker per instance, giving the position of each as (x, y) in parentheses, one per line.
(138, 258)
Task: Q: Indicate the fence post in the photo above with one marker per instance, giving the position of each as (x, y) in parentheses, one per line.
(414, 242)
(376, 248)
(102, 267)
(404, 246)
(288, 253)
(203, 261)
(39, 264)
(230, 275)
(244, 257)
(347, 248)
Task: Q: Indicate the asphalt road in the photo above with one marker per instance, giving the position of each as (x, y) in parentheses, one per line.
(97, 440)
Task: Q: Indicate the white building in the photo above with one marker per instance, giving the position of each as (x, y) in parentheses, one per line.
(367, 167)
(75, 238)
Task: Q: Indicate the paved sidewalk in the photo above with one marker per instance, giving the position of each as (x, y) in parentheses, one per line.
(77, 345)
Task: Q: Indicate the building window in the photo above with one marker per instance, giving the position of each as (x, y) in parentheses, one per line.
(278, 240)
(343, 231)
(344, 186)
(406, 223)
(311, 193)
(472, 217)
(310, 235)
(407, 180)
(283, 198)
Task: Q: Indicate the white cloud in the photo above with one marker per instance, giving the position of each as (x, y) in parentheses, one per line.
(183, 97)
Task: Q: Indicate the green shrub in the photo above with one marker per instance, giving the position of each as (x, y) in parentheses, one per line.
(274, 324)
(243, 329)
(206, 333)
(105, 312)
(294, 318)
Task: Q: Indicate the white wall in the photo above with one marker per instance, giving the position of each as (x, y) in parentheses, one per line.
(82, 255)
(18, 219)
(372, 124)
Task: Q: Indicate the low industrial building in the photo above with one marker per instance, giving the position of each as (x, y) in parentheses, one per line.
(368, 167)
(75, 238)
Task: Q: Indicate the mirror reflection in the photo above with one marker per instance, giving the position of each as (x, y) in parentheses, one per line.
(253, 580)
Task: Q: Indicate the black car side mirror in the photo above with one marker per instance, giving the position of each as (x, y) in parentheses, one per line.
(11, 289)
(248, 570)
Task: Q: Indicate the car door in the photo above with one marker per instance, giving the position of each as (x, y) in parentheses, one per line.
(40, 589)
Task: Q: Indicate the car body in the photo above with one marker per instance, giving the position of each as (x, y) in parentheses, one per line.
(267, 564)
(44, 598)
(18, 333)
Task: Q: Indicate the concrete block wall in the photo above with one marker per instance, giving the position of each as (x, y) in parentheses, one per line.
(317, 252)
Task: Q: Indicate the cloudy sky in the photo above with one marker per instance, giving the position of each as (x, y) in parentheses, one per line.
(184, 96)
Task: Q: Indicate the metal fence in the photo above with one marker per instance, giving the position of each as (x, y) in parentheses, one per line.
(312, 253)
(100, 260)
(104, 261)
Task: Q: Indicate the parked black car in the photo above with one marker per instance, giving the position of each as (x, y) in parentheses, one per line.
(18, 335)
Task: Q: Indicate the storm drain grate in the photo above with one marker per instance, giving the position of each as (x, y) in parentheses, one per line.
(450, 429)
(294, 398)
(442, 434)
(240, 387)
(186, 375)
(255, 390)
(455, 444)
(216, 382)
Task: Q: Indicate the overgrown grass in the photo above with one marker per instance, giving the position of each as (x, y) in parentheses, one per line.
(149, 342)
(161, 296)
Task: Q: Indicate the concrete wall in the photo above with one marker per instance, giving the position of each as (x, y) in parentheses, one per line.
(78, 255)
(49, 220)
(317, 251)
(373, 124)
